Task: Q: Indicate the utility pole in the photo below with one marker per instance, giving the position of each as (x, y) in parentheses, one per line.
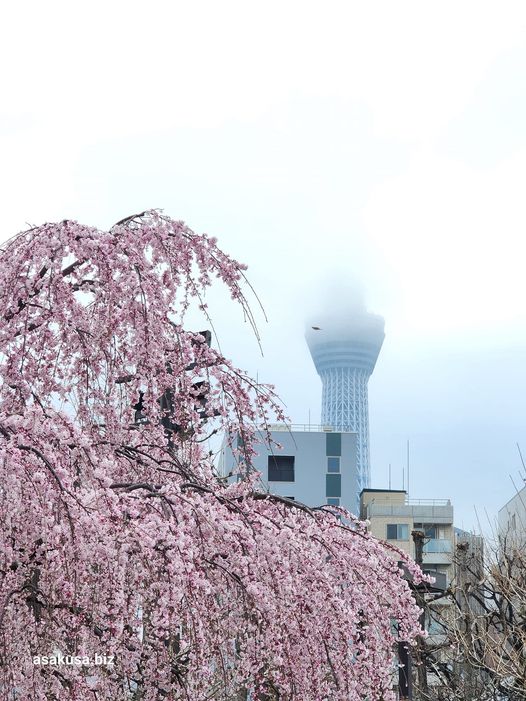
(419, 594)
(405, 671)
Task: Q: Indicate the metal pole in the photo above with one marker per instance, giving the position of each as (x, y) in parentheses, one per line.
(408, 468)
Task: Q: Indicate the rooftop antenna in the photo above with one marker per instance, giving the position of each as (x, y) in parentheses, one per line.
(403, 478)
(408, 468)
(522, 459)
(389, 476)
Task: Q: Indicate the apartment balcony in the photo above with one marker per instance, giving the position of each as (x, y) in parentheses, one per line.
(437, 551)
(438, 545)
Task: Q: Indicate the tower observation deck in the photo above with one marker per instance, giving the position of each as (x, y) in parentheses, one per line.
(344, 351)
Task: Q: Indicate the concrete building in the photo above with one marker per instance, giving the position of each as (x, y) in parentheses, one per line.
(512, 520)
(393, 517)
(453, 557)
(315, 465)
(344, 349)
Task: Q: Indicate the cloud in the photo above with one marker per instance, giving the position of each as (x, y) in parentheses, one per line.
(453, 239)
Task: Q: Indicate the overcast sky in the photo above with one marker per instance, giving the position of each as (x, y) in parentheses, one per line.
(324, 144)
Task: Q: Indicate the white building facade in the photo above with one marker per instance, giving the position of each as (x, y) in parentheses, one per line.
(314, 465)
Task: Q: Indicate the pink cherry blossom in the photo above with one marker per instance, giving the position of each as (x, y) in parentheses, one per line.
(117, 535)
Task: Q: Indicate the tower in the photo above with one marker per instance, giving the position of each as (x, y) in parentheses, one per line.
(344, 349)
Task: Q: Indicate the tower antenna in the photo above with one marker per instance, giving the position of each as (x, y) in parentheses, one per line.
(522, 459)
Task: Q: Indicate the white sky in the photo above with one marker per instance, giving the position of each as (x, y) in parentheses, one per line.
(383, 142)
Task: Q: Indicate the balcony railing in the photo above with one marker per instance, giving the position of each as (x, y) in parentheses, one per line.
(438, 545)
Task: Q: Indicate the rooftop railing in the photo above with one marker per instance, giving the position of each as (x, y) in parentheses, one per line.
(428, 502)
(321, 428)
(419, 513)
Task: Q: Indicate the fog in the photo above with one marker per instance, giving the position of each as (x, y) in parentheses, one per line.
(333, 148)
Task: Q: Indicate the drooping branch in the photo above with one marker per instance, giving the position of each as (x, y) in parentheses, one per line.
(201, 587)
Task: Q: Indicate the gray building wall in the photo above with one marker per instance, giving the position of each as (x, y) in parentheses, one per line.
(313, 483)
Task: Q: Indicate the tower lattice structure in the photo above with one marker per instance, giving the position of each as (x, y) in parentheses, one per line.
(344, 351)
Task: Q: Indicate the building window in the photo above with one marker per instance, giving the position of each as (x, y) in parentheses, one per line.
(333, 501)
(397, 531)
(281, 468)
(333, 485)
(333, 444)
(333, 464)
(433, 623)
